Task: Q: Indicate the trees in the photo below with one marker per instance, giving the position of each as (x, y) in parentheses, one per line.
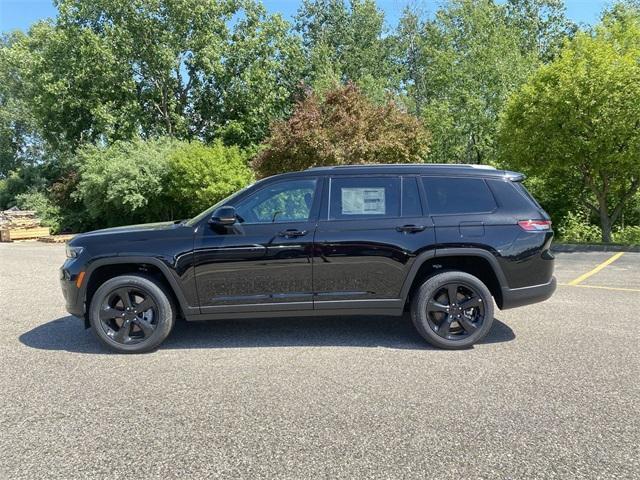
(467, 61)
(542, 25)
(20, 143)
(75, 86)
(105, 73)
(459, 67)
(343, 127)
(346, 41)
(109, 70)
(581, 115)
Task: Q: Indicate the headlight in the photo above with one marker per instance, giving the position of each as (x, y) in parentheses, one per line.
(73, 252)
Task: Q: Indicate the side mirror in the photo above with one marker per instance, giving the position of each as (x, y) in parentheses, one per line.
(223, 216)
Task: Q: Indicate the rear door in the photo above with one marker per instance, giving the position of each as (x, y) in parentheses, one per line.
(369, 232)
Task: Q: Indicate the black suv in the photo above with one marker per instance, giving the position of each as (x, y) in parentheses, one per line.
(442, 241)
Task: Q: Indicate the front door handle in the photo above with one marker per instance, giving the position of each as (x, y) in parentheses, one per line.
(410, 228)
(292, 232)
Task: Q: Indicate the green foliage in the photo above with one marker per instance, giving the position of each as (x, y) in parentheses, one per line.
(184, 68)
(627, 235)
(46, 210)
(346, 42)
(460, 66)
(18, 182)
(20, 144)
(578, 117)
(542, 25)
(344, 127)
(201, 176)
(125, 182)
(576, 228)
(557, 195)
(96, 105)
(153, 180)
(74, 85)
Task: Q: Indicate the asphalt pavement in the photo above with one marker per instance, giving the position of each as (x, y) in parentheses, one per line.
(552, 392)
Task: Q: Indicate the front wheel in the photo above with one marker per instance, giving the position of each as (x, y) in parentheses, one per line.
(131, 314)
(452, 310)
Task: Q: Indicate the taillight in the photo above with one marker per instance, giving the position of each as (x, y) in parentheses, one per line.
(535, 225)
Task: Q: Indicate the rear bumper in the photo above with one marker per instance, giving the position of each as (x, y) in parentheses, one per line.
(517, 297)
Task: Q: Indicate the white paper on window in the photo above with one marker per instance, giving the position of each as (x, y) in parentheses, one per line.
(363, 201)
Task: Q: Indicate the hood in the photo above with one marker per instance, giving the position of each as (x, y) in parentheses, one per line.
(148, 228)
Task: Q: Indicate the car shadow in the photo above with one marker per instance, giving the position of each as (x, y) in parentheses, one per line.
(68, 334)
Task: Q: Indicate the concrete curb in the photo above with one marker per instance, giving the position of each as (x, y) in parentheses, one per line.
(584, 247)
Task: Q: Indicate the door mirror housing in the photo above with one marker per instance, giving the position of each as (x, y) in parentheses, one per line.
(223, 216)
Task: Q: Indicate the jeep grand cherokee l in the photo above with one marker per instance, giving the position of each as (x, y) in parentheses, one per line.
(441, 241)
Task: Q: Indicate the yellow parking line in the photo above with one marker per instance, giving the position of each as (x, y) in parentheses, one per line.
(619, 289)
(583, 277)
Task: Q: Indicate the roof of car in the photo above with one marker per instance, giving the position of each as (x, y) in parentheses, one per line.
(415, 168)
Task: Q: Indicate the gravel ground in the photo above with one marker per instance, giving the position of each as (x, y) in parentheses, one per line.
(553, 392)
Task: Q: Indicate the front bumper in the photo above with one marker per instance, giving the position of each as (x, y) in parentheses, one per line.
(74, 302)
(517, 297)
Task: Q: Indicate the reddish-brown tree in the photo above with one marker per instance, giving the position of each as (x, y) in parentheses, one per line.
(342, 127)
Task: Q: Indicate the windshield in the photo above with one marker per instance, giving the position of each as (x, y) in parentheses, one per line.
(209, 211)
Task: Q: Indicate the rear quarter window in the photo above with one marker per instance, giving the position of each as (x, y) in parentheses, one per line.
(453, 196)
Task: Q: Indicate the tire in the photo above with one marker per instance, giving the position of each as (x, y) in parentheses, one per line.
(131, 314)
(450, 325)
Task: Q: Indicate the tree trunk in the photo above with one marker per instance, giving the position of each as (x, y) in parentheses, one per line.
(605, 220)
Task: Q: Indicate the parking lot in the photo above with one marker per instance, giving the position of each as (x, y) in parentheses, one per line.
(552, 392)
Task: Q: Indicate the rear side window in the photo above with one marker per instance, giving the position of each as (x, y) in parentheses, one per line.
(364, 197)
(452, 196)
(526, 193)
(411, 206)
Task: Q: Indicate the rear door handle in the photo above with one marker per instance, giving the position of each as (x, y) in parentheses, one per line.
(410, 228)
(292, 232)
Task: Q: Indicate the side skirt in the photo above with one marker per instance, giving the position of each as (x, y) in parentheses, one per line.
(342, 308)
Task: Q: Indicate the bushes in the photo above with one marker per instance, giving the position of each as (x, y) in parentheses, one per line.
(155, 180)
(576, 228)
(125, 182)
(627, 235)
(45, 209)
(201, 176)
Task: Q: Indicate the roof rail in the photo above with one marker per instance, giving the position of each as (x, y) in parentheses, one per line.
(447, 165)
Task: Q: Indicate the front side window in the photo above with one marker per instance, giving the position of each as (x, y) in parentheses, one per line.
(364, 197)
(287, 201)
(452, 196)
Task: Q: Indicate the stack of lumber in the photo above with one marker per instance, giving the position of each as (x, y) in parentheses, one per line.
(56, 239)
(20, 224)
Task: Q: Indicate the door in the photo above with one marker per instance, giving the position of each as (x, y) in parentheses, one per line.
(263, 261)
(368, 235)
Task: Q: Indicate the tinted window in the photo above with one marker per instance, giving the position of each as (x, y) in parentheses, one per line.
(451, 196)
(281, 202)
(411, 206)
(364, 197)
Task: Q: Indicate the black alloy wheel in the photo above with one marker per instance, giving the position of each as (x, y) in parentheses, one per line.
(132, 313)
(452, 310)
(455, 311)
(128, 315)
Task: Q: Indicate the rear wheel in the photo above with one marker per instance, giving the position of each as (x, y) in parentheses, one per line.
(452, 310)
(131, 314)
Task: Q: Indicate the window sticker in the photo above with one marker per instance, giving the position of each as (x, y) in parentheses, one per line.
(363, 201)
